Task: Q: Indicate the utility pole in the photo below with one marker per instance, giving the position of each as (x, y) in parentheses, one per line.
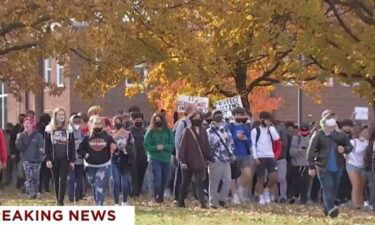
(299, 104)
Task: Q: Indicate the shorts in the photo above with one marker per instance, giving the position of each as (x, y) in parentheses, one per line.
(245, 161)
(268, 165)
(352, 168)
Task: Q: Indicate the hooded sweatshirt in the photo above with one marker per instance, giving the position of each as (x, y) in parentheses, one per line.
(159, 137)
(242, 147)
(59, 143)
(298, 150)
(30, 146)
(139, 138)
(97, 146)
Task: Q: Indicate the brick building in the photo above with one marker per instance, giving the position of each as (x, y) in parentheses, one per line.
(335, 96)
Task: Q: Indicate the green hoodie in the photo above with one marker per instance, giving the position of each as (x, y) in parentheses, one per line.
(157, 137)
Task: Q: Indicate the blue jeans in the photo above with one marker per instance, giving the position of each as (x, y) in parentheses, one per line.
(75, 182)
(160, 172)
(126, 186)
(98, 179)
(330, 182)
(116, 182)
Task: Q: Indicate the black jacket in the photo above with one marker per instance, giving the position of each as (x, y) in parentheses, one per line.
(49, 148)
(98, 148)
(319, 148)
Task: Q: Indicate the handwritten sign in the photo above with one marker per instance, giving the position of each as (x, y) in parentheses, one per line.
(228, 104)
(201, 102)
(361, 113)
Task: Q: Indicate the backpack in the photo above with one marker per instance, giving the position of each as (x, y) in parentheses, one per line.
(276, 145)
(174, 134)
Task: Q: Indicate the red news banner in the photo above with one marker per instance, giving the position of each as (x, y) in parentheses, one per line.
(75, 215)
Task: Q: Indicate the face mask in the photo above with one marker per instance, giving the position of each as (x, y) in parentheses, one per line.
(138, 124)
(118, 126)
(158, 123)
(238, 120)
(98, 129)
(209, 121)
(196, 122)
(218, 118)
(331, 122)
(21, 120)
(76, 126)
(304, 133)
(60, 119)
(263, 123)
(127, 124)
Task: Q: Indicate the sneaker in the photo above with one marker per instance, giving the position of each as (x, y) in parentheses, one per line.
(236, 199)
(181, 204)
(213, 206)
(124, 204)
(117, 205)
(282, 200)
(333, 213)
(272, 198)
(222, 204)
(292, 201)
(267, 197)
(262, 200)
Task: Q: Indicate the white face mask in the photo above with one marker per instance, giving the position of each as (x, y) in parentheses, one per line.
(60, 119)
(331, 122)
(76, 126)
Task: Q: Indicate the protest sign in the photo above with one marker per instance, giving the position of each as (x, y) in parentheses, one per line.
(201, 102)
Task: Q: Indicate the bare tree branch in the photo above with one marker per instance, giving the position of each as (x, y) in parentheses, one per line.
(18, 47)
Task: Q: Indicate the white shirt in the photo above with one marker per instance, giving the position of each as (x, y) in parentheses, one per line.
(263, 148)
(357, 156)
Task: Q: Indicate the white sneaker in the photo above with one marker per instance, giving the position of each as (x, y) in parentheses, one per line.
(236, 199)
(272, 198)
(262, 200)
(266, 196)
(117, 205)
(124, 204)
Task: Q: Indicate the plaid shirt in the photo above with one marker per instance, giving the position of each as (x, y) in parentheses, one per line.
(218, 150)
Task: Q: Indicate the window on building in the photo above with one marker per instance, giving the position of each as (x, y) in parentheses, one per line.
(59, 75)
(141, 70)
(47, 70)
(3, 105)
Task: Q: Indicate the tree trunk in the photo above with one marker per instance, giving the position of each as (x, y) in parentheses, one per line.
(240, 80)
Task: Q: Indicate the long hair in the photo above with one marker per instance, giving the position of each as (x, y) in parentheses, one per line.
(95, 110)
(54, 123)
(163, 119)
(91, 123)
(370, 155)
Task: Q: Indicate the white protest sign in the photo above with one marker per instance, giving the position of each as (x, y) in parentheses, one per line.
(361, 113)
(201, 102)
(228, 104)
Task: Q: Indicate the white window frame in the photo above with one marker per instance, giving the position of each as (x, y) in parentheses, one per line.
(140, 66)
(3, 96)
(59, 76)
(47, 70)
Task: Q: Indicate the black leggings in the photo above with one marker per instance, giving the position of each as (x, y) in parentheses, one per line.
(60, 168)
(186, 179)
(299, 178)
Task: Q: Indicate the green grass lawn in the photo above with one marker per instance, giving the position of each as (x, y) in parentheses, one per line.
(149, 213)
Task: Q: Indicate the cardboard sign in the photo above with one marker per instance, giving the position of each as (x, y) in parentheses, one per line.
(201, 102)
(228, 104)
(361, 113)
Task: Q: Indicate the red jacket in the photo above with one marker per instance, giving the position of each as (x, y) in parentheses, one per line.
(3, 150)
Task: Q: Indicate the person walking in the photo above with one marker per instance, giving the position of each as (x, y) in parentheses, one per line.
(140, 158)
(30, 145)
(299, 176)
(326, 160)
(75, 175)
(97, 149)
(355, 165)
(263, 137)
(194, 155)
(59, 145)
(222, 147)
(159, 141)
(123, 139)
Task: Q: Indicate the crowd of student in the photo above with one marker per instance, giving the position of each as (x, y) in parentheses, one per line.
(218, 161)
